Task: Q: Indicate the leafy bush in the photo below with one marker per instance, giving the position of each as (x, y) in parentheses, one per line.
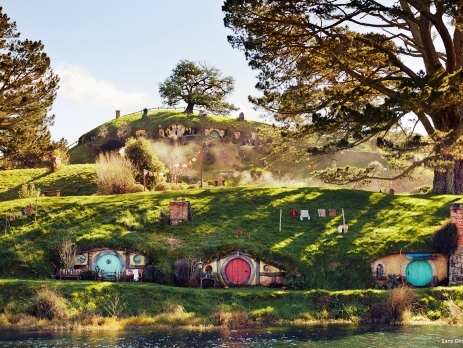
(162, 186)
(28, 191)
(182, 273)
(445, 239)
(111, 145)
(88, 274)
(155, 275)
(50, 305)
(142, 155)
(114, 174)
(295, 281)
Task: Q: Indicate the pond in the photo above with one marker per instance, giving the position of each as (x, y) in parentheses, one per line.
(332, 335)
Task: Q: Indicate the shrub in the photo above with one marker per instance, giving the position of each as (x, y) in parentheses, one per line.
(88, 274)
(111, 145)
(142, 155)
(50, 305)
(124, 130)
(182, 273)
(155, 275)
(114, 174)
(162, 186)
(400, 300)
(445, 239)
(28, 191)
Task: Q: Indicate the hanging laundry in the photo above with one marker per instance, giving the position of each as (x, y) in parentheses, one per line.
(332, 212)
(293, 212)
(305, 214)
(23, 212)
(12, 217)
(322, 212)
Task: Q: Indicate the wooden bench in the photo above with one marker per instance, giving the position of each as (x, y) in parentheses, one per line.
(52, 193)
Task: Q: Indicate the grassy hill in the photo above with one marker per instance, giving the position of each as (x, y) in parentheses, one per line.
(378, 224)
(75, 180)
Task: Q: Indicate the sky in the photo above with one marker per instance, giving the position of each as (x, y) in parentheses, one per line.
(112, 54)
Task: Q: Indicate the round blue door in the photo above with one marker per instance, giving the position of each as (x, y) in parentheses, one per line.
(109, 264)
(419, 273)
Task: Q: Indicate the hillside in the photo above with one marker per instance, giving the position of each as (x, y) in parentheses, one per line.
(231, 155)
(74, 180)
(379, 224)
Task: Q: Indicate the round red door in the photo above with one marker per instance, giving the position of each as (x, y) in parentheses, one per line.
(238, 271)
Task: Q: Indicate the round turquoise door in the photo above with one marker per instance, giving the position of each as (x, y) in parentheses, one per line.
(419, 273)
(109, 264)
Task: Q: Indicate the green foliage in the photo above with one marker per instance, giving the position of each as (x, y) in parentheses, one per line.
(355, 85)
(111, 145)
(445, 239)
(154, 274)
(182, 273)
(29, 191)
(142, 155)
(27, 90)
(197, 84)
(50, 305)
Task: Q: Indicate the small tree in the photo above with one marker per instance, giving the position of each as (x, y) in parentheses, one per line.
(123, 132)
(103, 131)
(114, 174)
(141, 153)
(198, 84)
(28, 191)
(67, 252)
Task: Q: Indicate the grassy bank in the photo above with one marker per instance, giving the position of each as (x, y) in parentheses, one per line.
(75, 180)
(379, 224)
(82, 304)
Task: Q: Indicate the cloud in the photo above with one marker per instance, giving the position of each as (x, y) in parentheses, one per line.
(78, 85)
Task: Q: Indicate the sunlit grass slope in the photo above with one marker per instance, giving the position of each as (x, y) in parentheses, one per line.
(378, 224)
(164, 118)
(74, 180)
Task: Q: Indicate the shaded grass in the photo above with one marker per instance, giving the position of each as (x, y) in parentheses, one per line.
(379, 224)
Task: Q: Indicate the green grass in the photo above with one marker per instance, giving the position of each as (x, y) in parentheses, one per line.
(379, 224)
(145, 304)
(73, 180)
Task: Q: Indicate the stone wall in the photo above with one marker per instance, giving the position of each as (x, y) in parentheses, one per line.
(456, 260)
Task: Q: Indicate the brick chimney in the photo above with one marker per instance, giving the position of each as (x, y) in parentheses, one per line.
(456, 259)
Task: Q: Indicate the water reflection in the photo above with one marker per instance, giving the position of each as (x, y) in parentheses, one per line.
(294, 336)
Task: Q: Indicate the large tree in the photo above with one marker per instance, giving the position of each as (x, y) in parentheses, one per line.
(27, 91)
(353, 69)
(198, 84)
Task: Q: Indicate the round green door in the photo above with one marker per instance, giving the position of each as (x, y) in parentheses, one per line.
(419, 273)
(109, 264)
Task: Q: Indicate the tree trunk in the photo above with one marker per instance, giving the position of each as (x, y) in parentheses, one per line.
(451, 181)
(189, 108)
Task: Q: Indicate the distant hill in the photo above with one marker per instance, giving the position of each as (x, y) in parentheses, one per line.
(234, 153)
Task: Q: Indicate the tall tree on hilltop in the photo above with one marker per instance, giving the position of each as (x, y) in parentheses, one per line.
(27, 91)
(198, 84)
(353, 69)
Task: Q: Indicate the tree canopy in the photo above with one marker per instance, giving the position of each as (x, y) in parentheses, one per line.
(353, 69)
(198, 84)
(27, 91)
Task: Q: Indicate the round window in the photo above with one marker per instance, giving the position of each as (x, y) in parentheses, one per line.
(137, 259)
